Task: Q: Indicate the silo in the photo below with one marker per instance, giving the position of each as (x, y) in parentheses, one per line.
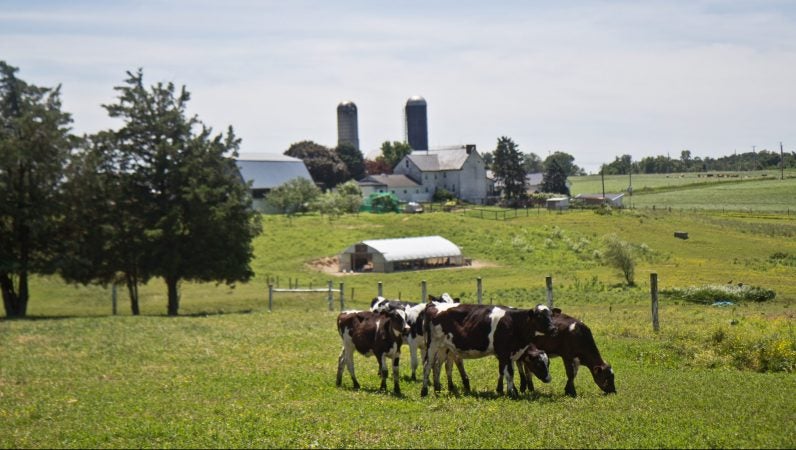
(347, 129)
(416, 123)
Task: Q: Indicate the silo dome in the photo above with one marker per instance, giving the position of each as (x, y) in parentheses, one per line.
(347, 106)
(347, 127)
(416, 100)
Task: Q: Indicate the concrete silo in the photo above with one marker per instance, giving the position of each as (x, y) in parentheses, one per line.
(347, 128)
(416, 123)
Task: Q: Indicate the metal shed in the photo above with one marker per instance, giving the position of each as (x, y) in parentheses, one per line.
(389, 255)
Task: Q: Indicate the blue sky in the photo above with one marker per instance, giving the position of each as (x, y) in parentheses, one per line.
(594, 79)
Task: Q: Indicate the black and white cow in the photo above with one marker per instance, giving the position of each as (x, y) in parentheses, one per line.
(475, 331)
(414, 318)
(574, 343)
(371, 333)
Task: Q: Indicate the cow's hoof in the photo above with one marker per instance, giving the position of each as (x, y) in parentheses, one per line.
(424, 392)
(414, 378)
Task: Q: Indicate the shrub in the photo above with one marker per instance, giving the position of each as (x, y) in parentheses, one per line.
(720, 292)
(618, 254)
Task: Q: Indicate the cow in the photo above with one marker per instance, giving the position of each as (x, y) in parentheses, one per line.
(414, 318)
(475, 331)
(574, 343)
(532, 362)
(371, 333)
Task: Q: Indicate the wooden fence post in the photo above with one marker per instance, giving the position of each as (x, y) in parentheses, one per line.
(380, 289)
(331, 298)
(423, 291)
(654, 293)
(480, 293)
(342, 301)
(548, 281)
(113, 298)
(352, 294)
(270, 296)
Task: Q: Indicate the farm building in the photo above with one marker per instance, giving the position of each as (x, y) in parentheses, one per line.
(614, 200)
(558, 203)
(390, 255)
(267, 171)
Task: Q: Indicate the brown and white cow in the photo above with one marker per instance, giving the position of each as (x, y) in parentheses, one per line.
(414, 318)
(371, 333)
(574, 343)
(475, 331)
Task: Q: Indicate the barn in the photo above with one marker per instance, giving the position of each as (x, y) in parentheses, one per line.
(390, 255)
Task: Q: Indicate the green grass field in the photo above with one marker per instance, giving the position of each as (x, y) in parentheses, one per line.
(733, 191)
(229, 373)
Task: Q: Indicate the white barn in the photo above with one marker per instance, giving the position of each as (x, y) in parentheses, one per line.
(389, 255)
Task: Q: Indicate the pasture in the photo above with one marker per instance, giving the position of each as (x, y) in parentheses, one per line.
(228, 373)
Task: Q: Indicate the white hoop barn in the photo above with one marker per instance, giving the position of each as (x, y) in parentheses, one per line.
(390, 255)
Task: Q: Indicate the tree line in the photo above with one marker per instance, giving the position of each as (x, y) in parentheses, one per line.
(754, 160)
(160, 196)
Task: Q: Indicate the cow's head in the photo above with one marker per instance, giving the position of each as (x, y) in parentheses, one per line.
(542, 320)
(536, 362)
(398, 323)
(604, 378)
(379, 304)
(444, 298)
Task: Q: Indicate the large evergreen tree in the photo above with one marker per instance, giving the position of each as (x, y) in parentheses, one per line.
(35, 144)
(509, 169)
(554, 179)
(393, 152)
(198, 220)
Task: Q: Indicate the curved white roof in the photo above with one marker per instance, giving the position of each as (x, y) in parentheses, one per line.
(403, 249)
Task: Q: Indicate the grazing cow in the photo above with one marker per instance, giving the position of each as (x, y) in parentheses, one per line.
(475, 331)
(371, 333)
(574, 343)
(414, 318)
(532, 362)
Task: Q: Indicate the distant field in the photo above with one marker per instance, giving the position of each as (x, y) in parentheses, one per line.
(756, 191)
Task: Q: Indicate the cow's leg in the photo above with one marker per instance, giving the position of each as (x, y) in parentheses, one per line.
(382, 370)
(396, 387)
(340, 363)
(349, 360)
(571, 367)
(521, 374)
(426, 369)
(413, 355)
(507, 372)
(463, 374)
(437, 363)
(449, 372)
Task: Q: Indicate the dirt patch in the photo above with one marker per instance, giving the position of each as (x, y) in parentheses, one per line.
(331, 265)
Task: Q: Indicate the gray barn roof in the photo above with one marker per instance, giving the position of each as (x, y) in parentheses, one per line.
(390, 180)
(439, 160)
(404, 249)
(268, 171)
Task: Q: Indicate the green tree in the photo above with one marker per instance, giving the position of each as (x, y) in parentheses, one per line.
(393, 152)
(565, 161)
(35, 145)
(353, 160)
(532, 163)
(508, 169)
(324, 165)
(113, 249)
(619, 255)
(198, 216)
(554, 179)
(347, 198)
(294, 196)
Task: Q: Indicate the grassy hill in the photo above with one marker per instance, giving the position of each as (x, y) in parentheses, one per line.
(229, 373)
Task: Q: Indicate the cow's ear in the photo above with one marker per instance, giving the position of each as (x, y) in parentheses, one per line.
(556, 311)
(456, 300)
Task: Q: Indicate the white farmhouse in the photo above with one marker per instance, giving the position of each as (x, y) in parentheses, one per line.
(460, 170)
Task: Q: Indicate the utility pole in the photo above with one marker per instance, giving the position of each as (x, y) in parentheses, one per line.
(754, 158)
(630, 186)
(781, 162)
(602, 177)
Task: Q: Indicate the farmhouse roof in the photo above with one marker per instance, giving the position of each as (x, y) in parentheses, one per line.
(391, 180)
(437, 160)
(403, 249)
(270, 170)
